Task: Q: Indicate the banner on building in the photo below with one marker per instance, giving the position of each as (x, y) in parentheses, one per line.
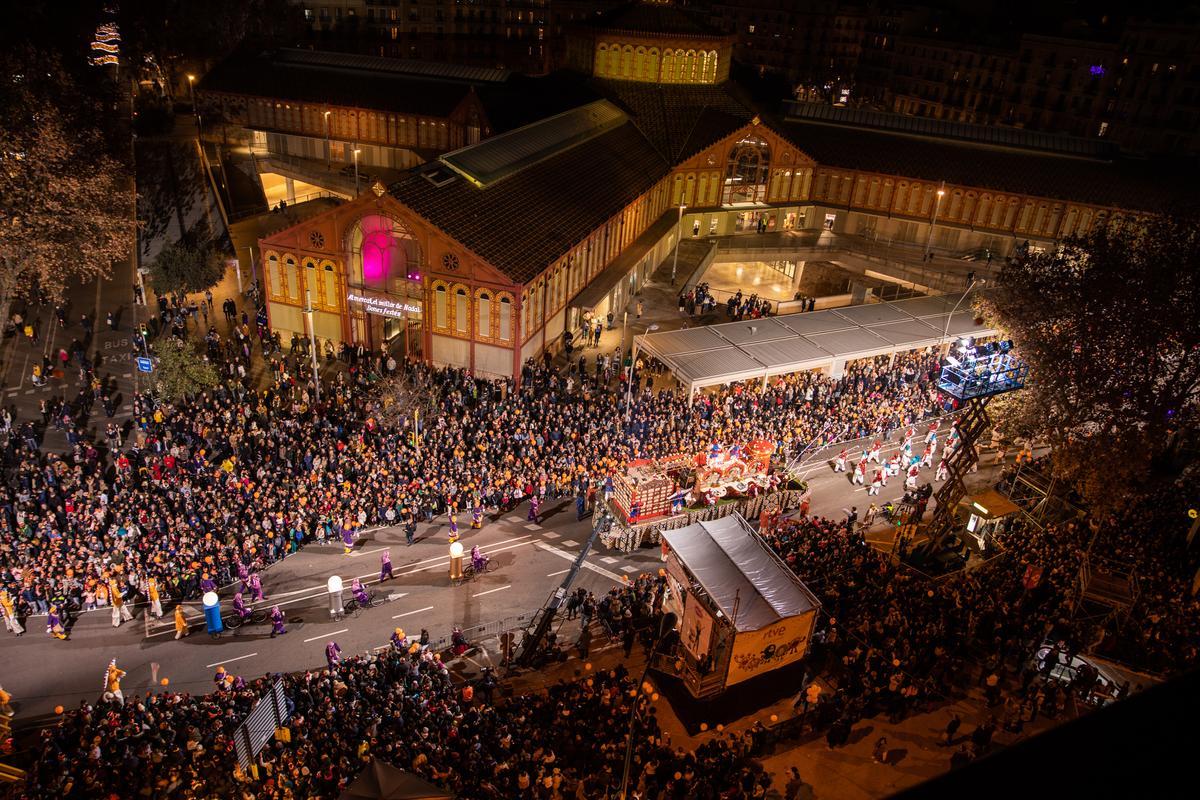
(382, 305)
(772, 647)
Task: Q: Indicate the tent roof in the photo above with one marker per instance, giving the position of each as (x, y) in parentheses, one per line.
(382, 781)
(749, 584)
(736, 351)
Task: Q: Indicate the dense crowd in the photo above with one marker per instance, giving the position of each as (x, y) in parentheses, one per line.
(401, 706)
(241, 475)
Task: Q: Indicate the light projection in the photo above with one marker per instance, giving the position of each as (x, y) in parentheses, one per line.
(379, 250)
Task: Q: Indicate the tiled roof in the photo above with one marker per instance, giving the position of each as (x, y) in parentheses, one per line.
(679, 120)
(646, 17)
(276, 74)
(1133, 185)
(525, 222)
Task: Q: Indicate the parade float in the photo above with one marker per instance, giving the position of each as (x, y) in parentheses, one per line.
(654, 495)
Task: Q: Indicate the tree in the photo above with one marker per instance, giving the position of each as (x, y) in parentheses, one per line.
(1110, 327)
(66, 207)
(186, 267)
(181, 370)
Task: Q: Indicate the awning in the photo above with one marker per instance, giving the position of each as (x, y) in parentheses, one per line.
(989, 504)
(750, 585)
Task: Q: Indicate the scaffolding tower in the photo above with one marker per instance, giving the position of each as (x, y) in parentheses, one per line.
(973, 377)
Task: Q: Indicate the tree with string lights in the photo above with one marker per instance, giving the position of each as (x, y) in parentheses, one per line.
(1110, 327)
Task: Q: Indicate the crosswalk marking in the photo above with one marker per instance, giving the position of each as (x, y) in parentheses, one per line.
(608, 559)
(551, 535)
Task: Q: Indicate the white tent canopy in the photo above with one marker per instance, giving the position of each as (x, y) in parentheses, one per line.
(761, 348)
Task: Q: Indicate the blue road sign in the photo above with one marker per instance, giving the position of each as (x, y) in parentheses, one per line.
(145, 364)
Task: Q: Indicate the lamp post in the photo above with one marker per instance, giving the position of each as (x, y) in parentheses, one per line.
(334, 587)
(327, 147)
(665, 625)
(312, 337)
(195, 108)
(633, 366)
(678, 241)
(941, 192)
(456, 559)
(356, 152)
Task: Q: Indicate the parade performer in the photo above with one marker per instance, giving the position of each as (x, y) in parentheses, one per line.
(893, 465)
(10, 614)
(535, 506)
(243, 575)
(153, 596)
(385, 565)
(876, 482)
(112, 681)
(399, 640)
(943, 471)
(239, 607)
(839, 464)
(181, 623)
(277, 622)
(54, 625)
(860, 471)
(119, 610)
(347, 540)
(333, 654)
(927, 456)
(477, 514)
(478, 559)
(453, 525)
(256, 590)
(876, 448)
(207, 584)
(360, 593)
(914, 472)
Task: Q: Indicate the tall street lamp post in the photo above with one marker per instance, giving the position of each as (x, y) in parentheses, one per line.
(327, 148)
(937, 206)
(356, 152)
(195, 108)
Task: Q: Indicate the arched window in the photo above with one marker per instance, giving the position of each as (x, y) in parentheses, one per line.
(505, 318)
(291, 275)
(711, 75)
(331, 285)
(746, 172)
(440, 308)
(668, 66)
(626, 62)
(274, 279)
(484, 315)
(460, 310)
(382, 254)
(312, 281)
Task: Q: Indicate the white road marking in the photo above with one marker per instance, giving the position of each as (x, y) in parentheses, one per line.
(410, 613)
(586, 564)
(629, 569)
(513, 519)
(323, 635)
(560, 572)
(569, 543)
(369, 552)
(230, 660)
(490, 591)
(609, 559)
(551, 535)
(533, 527)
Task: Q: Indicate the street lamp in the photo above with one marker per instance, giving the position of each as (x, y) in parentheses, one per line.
(327, 147)
(678, 241)
(312, 333)
(195, 108)
(941, 192)
(356, 152)
(212, 613)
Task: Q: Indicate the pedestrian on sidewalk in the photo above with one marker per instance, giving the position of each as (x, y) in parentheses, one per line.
(181, 623)
(880, 752)
(112, 321)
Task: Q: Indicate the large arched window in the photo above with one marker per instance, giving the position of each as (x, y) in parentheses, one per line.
(746, 172)
(460, 310)
(484, 316)
(440, 306)
(505, 318)
(383, 253)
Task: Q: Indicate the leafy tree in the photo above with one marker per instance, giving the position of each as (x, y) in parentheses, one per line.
(1110, 326)
(66, 207)
(186, 267)
(181, 370)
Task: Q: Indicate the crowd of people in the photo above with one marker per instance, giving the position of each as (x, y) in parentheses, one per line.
(238, 476)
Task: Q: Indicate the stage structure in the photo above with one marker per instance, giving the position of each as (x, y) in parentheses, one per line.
(972, 376)
(743, 613)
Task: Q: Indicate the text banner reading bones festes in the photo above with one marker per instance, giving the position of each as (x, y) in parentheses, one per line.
(382, 306)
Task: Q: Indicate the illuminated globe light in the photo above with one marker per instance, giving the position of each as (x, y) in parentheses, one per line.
(456, 550)
(210, 599)
(334, 585)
